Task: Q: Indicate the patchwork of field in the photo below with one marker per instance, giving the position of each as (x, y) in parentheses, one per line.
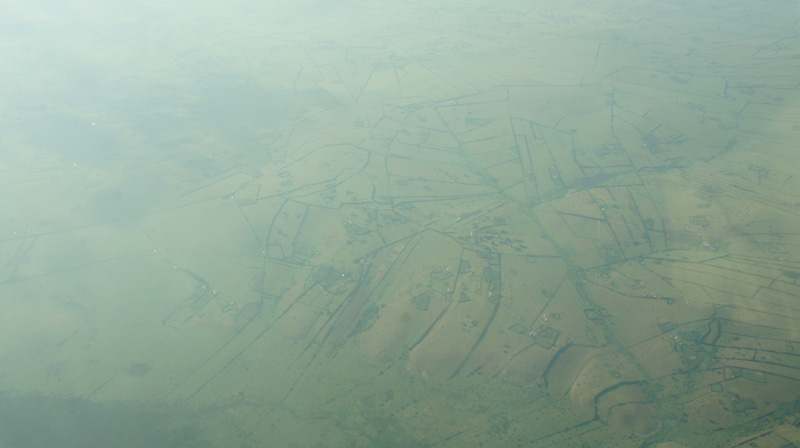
(469, 225)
